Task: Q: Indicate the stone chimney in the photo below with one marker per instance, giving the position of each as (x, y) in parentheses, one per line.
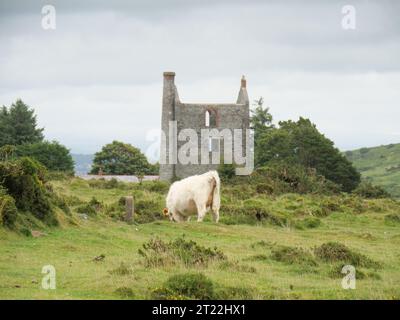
(167, 170)
(243, 97)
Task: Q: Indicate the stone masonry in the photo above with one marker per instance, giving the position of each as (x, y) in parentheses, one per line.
(193, 116)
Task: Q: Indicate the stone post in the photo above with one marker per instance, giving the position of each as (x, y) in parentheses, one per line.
(129, 208)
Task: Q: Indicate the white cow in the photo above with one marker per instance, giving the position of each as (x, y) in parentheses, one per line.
(194, 195)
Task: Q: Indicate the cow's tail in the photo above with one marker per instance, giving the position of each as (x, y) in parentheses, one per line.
(216, 203)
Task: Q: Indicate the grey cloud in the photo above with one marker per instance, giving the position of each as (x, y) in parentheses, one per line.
(106, 58)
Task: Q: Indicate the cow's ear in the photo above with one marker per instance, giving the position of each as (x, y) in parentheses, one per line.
(165, 212)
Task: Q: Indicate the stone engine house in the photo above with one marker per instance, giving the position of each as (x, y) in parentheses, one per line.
(197, 116)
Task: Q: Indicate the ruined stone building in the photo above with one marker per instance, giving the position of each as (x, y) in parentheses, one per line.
(196, 116)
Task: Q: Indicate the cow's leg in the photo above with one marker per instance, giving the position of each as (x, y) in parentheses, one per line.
(215, 214)
(201, 212)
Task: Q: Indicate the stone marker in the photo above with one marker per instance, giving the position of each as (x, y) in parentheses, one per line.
(129, 208)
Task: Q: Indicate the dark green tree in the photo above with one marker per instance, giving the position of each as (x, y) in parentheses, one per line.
(261, 118)
(121, 158)
(301, 143)
(18, 125)
(52, 155)
(261, 124)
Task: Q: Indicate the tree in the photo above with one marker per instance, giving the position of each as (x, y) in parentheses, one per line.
(121, 158)
(261, 123)
(18, 125)
(301, 143)
(261, 118)
(52, 155)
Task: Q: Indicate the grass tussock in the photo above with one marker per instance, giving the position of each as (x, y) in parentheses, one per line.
(393, 218)
(122, 270)
(292, 255)
(157, 252)
(337, 252)
(125, 292)
(198, 286)
(308, 223)
(335, 272)
(185, 286)
(236, 266)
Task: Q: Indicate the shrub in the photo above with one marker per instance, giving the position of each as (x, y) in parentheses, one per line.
(264, 188)
(292, 178)
(334, 252)
(156, 186)
(25, 181)
(90, 208)
(149, 207)
(308, 223)
(125, 292)
(156, 252)
(291, 255)
(370, 191)
(336, 272)
(60, 202)
(121, 270)
(257, 209)
(226, 171)
(8, 211)
(187, 285)
(235, 266)
(393, 218)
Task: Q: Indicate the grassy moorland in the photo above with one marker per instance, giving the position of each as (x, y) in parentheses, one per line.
(285, 246)
(380, 165)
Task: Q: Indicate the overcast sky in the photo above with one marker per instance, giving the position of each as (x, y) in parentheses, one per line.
(98, 76)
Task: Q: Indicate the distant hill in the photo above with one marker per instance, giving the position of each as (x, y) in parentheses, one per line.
(380, 165)
(83, 162)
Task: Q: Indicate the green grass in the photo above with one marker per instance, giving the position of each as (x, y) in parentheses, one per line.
(379, 165)
(255, 266)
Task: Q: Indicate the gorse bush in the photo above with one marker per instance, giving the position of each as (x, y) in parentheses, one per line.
(24, 180)
(257, 209)
(226, 171)
(156, 252)
(369, 191)
(334, 252)
(335, 272)
(308, 223)
(280, 177)
(186, 286)
(8, 211)
(292, 255)
(393, 218)
(91, 208)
